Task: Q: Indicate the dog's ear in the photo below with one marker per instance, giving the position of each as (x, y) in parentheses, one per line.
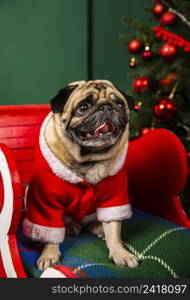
(130, 100)
(58, 102)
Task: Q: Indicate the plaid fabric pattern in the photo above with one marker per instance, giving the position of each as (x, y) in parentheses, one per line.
(163, 249)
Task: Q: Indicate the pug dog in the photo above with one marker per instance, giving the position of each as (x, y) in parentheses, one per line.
(79, 177)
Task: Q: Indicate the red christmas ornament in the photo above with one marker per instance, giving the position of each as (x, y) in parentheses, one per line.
(140, 83)
(168, 51)
(145, 130)
(134, 46)
(133, 63)
(158, 9)
(168, 79)
(146, 55)
(136, 107)
(145, 82)
(164, 109)
(168, 18)
(186, 49)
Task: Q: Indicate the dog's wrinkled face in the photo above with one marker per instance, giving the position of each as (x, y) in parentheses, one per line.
(94, 114)
(98, 120)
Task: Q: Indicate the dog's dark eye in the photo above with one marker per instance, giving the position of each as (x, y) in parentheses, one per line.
(83, 108)
(120, 104)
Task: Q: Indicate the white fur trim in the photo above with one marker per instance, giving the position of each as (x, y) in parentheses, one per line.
(55, 164)
(119, 164)
(114, 213)
(45, 234)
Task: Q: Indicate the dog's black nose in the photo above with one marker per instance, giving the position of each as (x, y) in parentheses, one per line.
(105, 107)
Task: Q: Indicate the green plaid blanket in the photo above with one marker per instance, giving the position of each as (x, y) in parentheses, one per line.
(163, 249)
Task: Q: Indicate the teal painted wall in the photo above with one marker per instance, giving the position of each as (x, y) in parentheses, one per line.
(111, 57)
(43, 45)
(42, 48)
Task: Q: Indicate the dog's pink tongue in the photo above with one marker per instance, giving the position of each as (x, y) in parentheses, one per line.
(104, 128)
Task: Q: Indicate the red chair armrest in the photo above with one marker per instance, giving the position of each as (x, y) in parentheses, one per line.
(157, 172)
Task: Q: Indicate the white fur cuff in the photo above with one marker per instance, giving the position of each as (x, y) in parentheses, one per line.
(45, 234)
(114, 213)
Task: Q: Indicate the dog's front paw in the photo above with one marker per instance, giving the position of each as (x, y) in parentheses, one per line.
(122, 257)
(48, 260)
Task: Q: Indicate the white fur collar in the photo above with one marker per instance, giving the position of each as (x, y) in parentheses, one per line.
(55, 164)
(59, 168)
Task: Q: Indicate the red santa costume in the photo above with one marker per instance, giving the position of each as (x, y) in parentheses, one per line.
(55, 192)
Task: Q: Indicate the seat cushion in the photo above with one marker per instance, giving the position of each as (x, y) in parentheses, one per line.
(163, 248)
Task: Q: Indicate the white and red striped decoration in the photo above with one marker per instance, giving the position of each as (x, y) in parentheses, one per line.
(10, 263)
(58, 272)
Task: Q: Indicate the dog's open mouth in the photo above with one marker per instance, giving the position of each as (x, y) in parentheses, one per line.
(98, 138)
(97, 134)
(107, 128)
(104, 130)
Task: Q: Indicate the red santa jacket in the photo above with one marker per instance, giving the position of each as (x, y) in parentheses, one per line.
(55, 192)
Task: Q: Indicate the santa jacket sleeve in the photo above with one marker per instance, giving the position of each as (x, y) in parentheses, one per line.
(45, 210)
(116, 205)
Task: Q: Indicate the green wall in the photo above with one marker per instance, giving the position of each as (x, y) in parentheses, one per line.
(42, 48)
(111, 58)
(43, 45)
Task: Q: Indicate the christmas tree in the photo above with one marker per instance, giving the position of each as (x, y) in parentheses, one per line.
(160, 59)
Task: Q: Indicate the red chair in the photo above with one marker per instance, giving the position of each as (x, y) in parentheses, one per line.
(156, 166)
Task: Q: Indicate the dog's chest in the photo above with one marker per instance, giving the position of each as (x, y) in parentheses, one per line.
(94, 173)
